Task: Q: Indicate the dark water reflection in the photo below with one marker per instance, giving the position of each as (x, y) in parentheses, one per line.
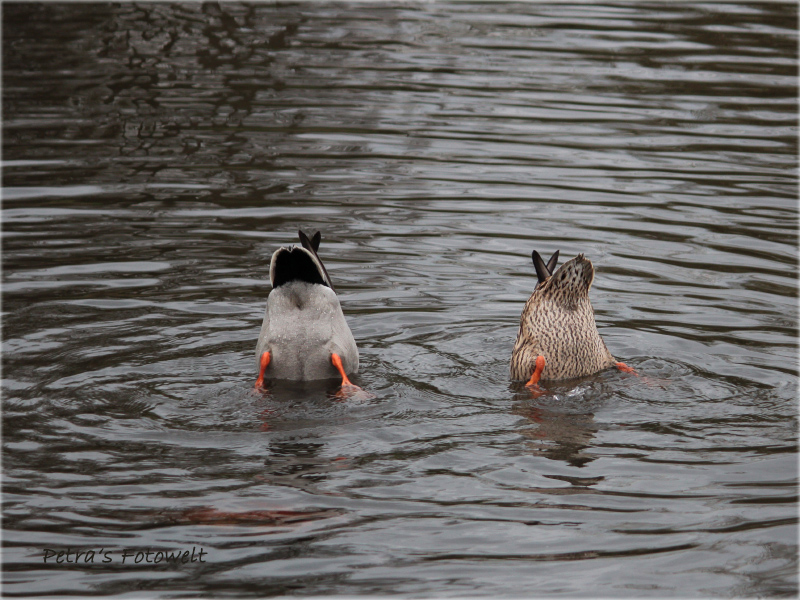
(155, 155)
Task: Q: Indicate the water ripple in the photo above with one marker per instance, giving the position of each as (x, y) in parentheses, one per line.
(154, 156)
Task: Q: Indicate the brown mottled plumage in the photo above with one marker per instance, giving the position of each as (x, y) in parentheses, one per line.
(558, 323)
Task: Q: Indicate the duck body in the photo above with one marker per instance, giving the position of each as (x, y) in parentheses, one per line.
(303, 326)
(558, 324)
(304, 333)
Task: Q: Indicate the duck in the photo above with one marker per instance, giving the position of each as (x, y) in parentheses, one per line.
(557, 337)
(304, 335)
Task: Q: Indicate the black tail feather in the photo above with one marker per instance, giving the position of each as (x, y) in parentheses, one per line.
(542, 272)
(292, 264)
(551, 264)
(312, 245)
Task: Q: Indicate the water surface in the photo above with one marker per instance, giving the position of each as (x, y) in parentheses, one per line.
(154, 156)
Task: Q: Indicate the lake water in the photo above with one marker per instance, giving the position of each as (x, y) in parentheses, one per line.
(154, 156)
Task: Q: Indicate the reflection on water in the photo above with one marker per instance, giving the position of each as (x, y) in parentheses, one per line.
(558, 436)
(155, 155)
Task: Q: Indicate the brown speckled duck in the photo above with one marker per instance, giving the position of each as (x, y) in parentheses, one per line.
(557, 336)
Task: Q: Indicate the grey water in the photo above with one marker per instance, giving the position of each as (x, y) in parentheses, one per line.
(155, 155)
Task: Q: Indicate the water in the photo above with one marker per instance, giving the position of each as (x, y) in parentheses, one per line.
(154, 156)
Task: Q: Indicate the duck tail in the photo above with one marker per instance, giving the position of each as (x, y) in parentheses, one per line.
(543, 271)
(312, 245)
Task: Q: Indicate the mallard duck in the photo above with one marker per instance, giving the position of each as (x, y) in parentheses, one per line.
(304, 335)
(557, 337)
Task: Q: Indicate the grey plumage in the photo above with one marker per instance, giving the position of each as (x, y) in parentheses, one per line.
(558, 323)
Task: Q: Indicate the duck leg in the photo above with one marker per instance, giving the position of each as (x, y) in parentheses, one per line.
(337, 362)
(348, 389)
(662, 383)
(265, 358)
(625, 368)
(537, 372)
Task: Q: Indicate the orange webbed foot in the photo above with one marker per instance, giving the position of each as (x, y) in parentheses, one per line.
(265, 358)
(625, 368)
(537, 372)
(337, 362)
(533, 382)
(347, 392)
(662, 383)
